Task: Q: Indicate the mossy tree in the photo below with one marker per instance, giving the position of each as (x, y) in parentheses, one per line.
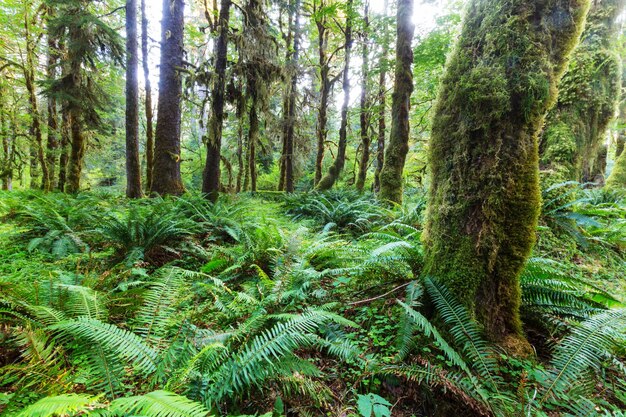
(484, 196)
(572, 145)
(395, 154)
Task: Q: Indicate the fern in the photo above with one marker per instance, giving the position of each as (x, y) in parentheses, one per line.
(159, 404)
(61, 405)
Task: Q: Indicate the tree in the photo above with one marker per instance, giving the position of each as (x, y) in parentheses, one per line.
(573, 143)
(365, 105)
(484, 196)
(382, 94)
(167, 158)
(395, 154)
(148, 97)
(133, 167)
(211, 177)
(289, 112)
(53, 116)
(87, 39)
(335, 169)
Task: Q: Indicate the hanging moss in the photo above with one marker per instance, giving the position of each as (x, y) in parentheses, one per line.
(484, 195)
(588, 96)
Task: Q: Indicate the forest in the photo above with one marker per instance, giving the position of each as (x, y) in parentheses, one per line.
(307, 208)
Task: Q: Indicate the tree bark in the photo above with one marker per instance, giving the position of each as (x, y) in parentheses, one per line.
(484, 196)
(148, 98)
(29, 78)
(382, 93)
(53, 115)
(335, 169)
(325, 87)
(576, 127)
(166, 174)
(395, 155)
(365, 110)
(289, 119)
(66, 126)
(211, 177)
(133, 166)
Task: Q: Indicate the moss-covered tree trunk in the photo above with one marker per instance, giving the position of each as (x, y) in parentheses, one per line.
(484, 196)
(571, 145)
(52, 141)
(336, 167)
(395, 154)
(365, 105)
(325, 88)
(133, 166)
(166, 175)
(382, 102)
(148, 97)
(64, 145)
(211, 176)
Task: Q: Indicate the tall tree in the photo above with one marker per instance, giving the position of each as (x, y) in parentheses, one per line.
(38, 158)
(484, 196)
(211, 176)
(87, 40)
(133, 167)
(167, 158)
(383, 64)
(289, 112)
(365, 105)
(148, 97)
(335, 169)
(395, 154)
(53, 115)
(572, 146)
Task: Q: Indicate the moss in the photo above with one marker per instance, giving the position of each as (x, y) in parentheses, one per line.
(588, 96)
(484, 195)
(617, 179)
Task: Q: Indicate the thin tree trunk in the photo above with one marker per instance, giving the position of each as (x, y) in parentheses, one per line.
(290, 108)
(484, 196)
(365, 111)
(325, 87)
(253, 137)
(382, 80)
(211, 177)
(395, 154)
(53, 116)
(29, 78)
(148, 99)
(66, 126)
(335, 169)
(133, 166)
(166, 174)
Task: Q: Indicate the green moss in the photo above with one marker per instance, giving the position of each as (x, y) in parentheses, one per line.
(617, 179)
(484, 196)
(588, 96)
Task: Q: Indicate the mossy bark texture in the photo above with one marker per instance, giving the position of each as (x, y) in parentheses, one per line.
(395, 154)
(484, 195)
(588, 94)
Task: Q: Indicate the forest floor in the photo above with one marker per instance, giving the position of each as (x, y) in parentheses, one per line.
(300, 292)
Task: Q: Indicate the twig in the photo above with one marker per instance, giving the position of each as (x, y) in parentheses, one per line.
(356, 303)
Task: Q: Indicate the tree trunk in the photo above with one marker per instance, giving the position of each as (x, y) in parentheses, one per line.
(66, 126)
(588, 93)
(77, 152)
(382, 93)
(335, 169)
(29, 78)
(395, 154)
(53, 116)
(133, 166)
(211, 177)
(484, 197)
(289, 120)
(148, 99)
(325, 87)
(365, 111)
(166, 172)
(253, 137)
